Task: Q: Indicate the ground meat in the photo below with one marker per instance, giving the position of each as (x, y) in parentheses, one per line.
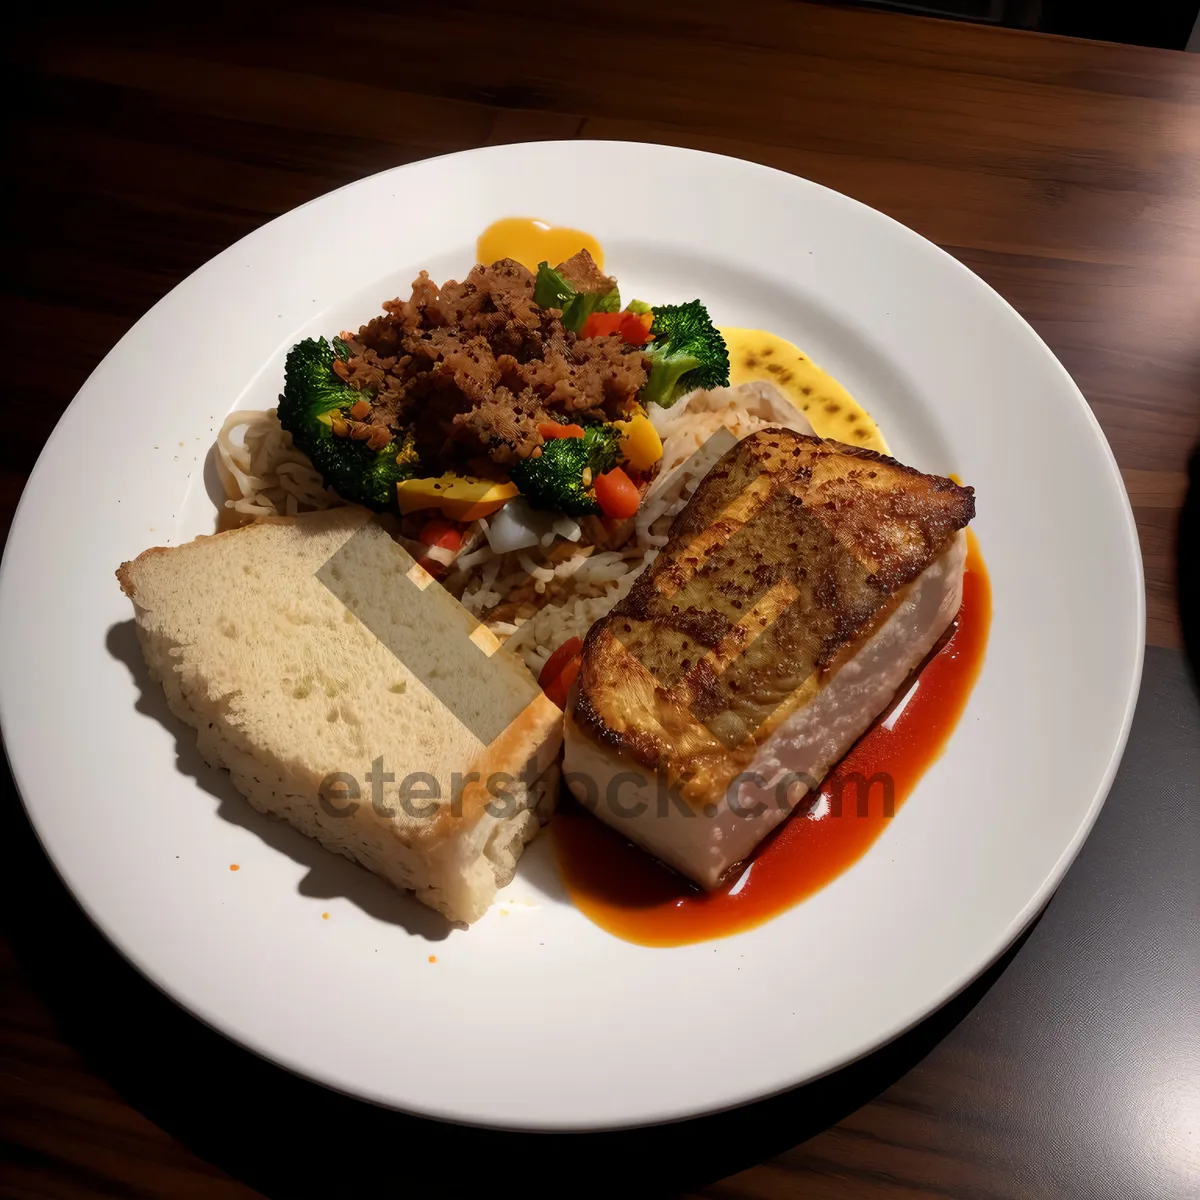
(473, 367)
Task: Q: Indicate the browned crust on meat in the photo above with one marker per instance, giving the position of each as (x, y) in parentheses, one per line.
(790, 555)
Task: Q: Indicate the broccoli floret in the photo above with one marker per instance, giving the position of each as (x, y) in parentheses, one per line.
(551, 290)
(554, 479)
(686, 353)
(311, 391)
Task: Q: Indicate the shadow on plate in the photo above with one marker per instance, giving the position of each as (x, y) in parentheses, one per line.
(1188, 562)
(213, 487)
(244, 1115)
(328, 875)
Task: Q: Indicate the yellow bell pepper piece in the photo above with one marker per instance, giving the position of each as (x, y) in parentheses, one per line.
(460, 497)
(640, 443)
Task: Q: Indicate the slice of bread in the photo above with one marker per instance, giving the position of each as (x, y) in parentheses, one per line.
(347, 693)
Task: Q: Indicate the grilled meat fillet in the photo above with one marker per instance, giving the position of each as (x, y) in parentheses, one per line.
(801, 585)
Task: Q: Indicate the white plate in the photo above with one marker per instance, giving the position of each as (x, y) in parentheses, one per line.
(535, 1018)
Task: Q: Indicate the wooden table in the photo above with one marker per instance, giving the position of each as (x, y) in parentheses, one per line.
(1067, 174)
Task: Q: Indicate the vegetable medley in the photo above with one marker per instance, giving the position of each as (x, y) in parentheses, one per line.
(509, 384)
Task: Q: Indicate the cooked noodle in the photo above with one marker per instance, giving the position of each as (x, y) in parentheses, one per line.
(263, 473)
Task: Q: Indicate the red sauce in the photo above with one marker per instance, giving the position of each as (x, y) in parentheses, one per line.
(622, 889)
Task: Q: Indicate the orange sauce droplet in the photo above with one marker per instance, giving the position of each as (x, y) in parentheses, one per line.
(234, 867)
(324, 916)
(531, 241)
(433, 958)
(623, 890)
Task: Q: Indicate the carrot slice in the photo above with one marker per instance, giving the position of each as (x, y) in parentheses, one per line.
(558, 660)
(617, 494)
(552, 429)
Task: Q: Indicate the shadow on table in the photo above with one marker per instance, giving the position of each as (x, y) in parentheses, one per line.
(285, 1136)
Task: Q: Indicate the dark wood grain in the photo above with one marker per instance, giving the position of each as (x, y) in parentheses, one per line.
(1067, 174)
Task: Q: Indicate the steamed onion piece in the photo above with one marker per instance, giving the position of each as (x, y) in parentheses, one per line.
(519, 526)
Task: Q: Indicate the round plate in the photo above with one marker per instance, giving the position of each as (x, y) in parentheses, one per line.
(534, 1018)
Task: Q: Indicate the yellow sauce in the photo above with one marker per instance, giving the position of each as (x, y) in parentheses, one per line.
(832, 411)
(531, 241)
